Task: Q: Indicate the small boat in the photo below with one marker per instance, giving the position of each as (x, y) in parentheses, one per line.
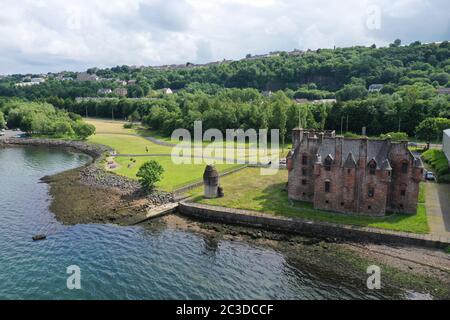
(39, 237)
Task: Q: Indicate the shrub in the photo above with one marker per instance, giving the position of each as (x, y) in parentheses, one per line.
(149, 174)
(2, 121)
(445, 178)
(128, 125)
(395, 136)
(438, 160)
(83, 130)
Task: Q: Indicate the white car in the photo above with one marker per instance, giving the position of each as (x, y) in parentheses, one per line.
(430, 176)
(2, 133)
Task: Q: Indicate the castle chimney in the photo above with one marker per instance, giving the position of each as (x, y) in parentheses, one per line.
(362, 161)
(297, 137)
(338, 149)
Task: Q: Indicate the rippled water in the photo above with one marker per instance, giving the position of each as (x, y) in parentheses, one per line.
(129, 262)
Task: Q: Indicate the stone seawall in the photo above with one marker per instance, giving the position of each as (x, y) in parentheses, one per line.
(308, 228)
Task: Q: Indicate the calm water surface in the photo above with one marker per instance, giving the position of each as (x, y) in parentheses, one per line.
(129, 262)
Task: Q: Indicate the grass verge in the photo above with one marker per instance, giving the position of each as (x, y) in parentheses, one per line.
(247, 189)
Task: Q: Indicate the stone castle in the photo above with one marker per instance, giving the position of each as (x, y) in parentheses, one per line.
(363, 176)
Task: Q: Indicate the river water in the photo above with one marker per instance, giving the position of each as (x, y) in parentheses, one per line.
(130, 262)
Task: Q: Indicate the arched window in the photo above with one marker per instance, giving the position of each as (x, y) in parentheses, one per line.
(372, 167)
(371, 192)
(404, 167)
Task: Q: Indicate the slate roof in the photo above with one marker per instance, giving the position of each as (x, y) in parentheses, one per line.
(376, 150)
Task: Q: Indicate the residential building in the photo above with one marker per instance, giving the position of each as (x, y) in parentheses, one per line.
(84, 76)
(121, 91)
(375, 87)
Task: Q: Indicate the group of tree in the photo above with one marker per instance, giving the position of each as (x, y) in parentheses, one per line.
(228, 95)
(43, 119)
(330, 69)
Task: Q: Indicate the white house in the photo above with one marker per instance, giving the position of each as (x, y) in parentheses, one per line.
(375, 87)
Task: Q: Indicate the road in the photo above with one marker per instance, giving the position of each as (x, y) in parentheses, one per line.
(438, 208)
(10, 134)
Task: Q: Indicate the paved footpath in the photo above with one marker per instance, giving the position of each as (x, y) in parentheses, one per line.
(438, 208)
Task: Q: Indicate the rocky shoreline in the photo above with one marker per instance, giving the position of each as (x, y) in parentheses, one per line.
(90, 194)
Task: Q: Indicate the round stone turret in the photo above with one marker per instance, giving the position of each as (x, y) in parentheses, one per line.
(211, 182)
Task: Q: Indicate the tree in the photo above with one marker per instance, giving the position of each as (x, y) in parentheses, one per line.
(134, 117)
(149, 174)
(279, 114)
(431, 128)
(2, 121)
(83, 130)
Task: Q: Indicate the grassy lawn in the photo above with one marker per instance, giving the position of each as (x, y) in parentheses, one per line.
(247, 189)
(126, 144)
(112, 134)
(175, 176)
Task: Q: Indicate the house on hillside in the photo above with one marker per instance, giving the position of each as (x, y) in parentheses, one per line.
(104, 91)
(362, 176)
(84, 76)
(121, 91)
(444, 91)
(166, 91)
(375, 87)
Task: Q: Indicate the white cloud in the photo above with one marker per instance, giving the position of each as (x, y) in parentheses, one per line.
(53, 35)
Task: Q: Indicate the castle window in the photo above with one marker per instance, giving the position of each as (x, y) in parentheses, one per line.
(371, 192)
(304, 160)
(369, 208)
(403, 193)
(349, 171)
(304, 182)
(372, 167)
(328, 163)
(304, 172)
(404, 167)
(342, 204)
(327, 186)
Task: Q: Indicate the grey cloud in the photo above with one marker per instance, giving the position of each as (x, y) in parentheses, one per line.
(168, 15)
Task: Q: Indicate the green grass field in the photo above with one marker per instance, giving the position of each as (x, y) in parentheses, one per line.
(125, 141)
(175, 176)
(247, 189)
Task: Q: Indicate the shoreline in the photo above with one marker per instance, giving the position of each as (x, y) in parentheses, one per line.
(91, 194)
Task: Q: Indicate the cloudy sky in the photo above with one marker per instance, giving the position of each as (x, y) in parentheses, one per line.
(54, 35)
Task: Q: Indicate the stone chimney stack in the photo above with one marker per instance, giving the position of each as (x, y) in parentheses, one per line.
(338, 150)
(297, 137)
(211, 182)
(362, 161)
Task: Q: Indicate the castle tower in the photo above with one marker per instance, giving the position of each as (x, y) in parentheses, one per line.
(211, 182)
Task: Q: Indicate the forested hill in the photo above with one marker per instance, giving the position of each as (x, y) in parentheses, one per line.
(329, 69)
(412, 98)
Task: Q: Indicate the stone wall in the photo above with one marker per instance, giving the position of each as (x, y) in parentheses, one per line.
(308, 228)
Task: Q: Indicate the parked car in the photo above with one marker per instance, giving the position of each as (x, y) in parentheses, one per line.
(2, 133)
(430, 176)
